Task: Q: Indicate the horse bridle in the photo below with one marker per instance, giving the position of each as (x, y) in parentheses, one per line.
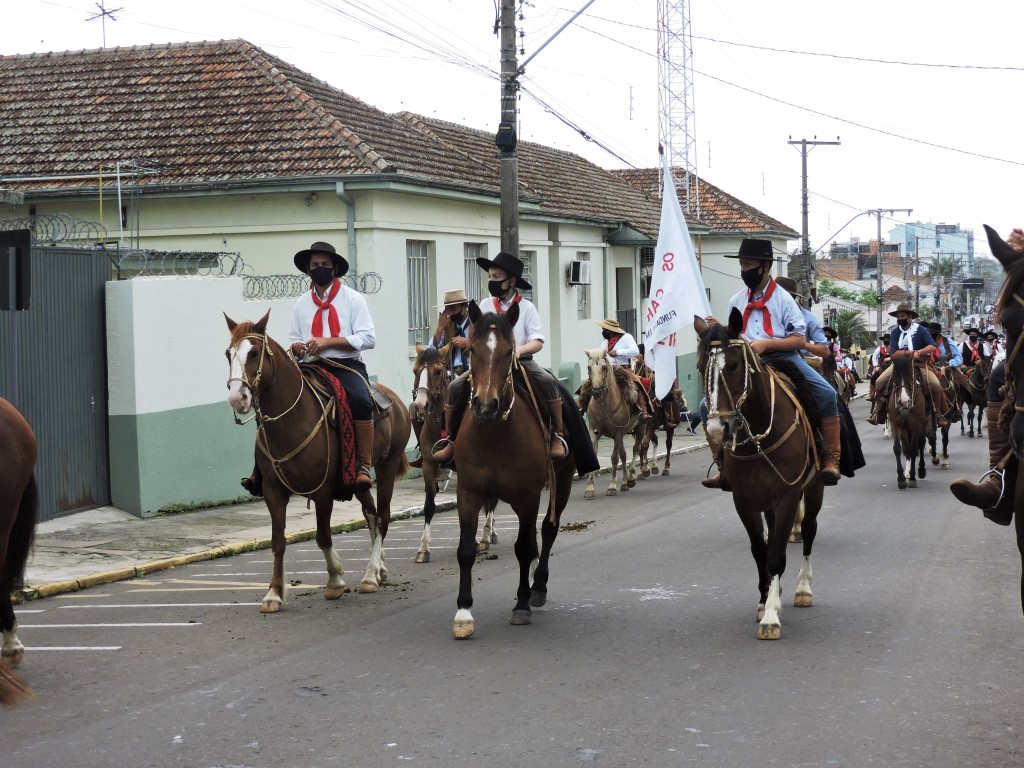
(504, 387)
(599, 392)
(265, 351)
(444, 379)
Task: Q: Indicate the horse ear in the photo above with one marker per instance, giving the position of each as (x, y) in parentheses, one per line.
(261, 326)
(231, 323)
(445, 351)
(700, 325)
(474, 312)
(1000, 248)
(735, 323)
(419, 349)
(512, 315)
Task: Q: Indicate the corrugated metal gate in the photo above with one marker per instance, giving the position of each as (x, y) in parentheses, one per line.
(54, 367)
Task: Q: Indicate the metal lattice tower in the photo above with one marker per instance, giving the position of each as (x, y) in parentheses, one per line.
(676, 126)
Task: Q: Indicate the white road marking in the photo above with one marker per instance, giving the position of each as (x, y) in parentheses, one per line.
(161, 605)
(34, 648)
(105, 624)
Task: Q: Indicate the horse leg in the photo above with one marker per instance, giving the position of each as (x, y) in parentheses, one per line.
(796, 534)
(901, 479)
(770, 626)
(922, 470)
(11, 649)
(613, 489)
(335, 586)
(469, 516)
(910, 449)
(488, 534)
(631, 477)
(589, 492)
(429, 506)
(759, 549)
(645, 448)
(945, 447)
(668, 452)
(276, 499)
(548, 532)
(375, 573)
(970, 421)
(932, 443)
(811, 505)
(526, 553)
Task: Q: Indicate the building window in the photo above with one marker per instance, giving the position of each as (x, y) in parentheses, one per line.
(582, 292)
(529, 259)
(475, 278)
(417, 254)
(646, 270)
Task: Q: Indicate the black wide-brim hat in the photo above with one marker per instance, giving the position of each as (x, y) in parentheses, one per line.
(903, 308)
(934, 327)
(302, 258)
(509, 263)
(971, 330)
(753, 248)
(884, 336)
(990, 335)
(827, 329)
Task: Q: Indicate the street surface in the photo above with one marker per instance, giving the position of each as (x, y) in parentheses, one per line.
(645, 655)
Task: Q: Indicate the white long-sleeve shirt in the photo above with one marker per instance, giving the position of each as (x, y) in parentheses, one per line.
(353, 317)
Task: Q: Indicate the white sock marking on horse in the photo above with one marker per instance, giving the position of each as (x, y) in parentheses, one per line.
(803, 585)
(335, 568)
(11, 644)
(773, 605)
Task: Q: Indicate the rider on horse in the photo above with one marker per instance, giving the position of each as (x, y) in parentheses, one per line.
(506, 274)
(331, 326)
(775, 329)
(878, 359)
(672, 405)
(622, 348)
(972, 350)
(910, 339)
(948, 353)
(817, 342)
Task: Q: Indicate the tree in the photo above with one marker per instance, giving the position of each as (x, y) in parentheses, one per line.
(849, 324)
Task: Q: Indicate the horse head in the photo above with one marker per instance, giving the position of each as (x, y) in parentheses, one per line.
(903, 382)
(1010, 311)
(430, 381)
(599, 370)
(491, 359)
(247, 356)
(726, 360)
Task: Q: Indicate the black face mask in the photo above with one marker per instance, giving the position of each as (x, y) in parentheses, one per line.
(606, 334)
(904, 324)
(751, 277)
(494, 288)
(322, 276)
(457, 319)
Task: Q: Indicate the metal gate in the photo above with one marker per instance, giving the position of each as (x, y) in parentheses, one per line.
(53, 367)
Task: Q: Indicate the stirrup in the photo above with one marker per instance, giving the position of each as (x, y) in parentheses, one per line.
(439, 446)
(562, 441)
(362, 469)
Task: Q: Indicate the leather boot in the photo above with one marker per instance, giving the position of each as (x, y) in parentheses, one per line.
(641, 404)
(985, 493)
(829, 469)
(444, 451)
(559, 448)
(417, 462)
(584, 402)
(254, 483)
(364, 454)
(718, 481)
(879, 409)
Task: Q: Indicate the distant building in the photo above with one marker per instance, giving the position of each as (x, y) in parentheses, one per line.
(929, 241)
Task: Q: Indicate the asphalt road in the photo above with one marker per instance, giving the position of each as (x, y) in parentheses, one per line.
(645, 654)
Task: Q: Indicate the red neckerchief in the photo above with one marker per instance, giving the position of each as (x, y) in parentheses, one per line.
(974, 350)
(334, 324)
(766, 316)
(613, 341)
(497, 303)
(938, 347)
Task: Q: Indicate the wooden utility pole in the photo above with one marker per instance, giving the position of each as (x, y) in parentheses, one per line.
(507, 131)
(805, 278)
(879, 262)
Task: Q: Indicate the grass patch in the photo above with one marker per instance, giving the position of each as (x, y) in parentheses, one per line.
(177, 509)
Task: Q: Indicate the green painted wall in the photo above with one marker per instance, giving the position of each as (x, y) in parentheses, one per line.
(185, 456)
(689, 379)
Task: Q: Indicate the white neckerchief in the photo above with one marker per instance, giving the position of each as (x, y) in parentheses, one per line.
(907, 337)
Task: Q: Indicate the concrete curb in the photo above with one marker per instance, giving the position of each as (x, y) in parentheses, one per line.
(240, 547)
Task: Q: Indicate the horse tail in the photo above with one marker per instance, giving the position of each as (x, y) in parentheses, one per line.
(403, 466)
(20, 542)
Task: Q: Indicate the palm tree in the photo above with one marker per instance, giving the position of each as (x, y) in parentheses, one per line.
(849, 324)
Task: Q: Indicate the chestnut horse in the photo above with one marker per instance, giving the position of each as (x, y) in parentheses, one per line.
(1010, 311)
(502, 455)
(293, 428)
(431, 376)
(909, 418)
(768, 458)
(19, 503)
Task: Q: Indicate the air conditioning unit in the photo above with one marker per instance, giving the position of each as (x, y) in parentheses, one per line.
(578, 273)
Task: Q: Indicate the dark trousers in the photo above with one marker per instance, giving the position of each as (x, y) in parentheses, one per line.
(355, 382)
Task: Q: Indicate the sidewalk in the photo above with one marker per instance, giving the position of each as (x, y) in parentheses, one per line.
(107, 544)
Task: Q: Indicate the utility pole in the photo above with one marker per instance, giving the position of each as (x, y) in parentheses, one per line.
(879, 264)
(805, 280)
(507, 130)
(917, 272)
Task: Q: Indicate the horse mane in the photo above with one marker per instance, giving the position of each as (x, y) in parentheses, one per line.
(430, 355)
(491, 317)
(716, 332)
(242, 330)
(902, 367)
(1014, 276)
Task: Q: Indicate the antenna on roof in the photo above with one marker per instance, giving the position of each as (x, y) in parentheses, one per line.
(102, 15)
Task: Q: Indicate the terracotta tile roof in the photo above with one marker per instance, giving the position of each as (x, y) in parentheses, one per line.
(719, 211)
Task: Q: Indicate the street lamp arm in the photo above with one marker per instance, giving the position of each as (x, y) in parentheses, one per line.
(829, 238)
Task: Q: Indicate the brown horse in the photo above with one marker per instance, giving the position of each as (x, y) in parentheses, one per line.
(1010, 311)
(431, 376)
(663, 411)
(19, 503)
(502, 454)
(909, 418)
(975, 395)
(298, 453)
(611, 414)
(767, 458)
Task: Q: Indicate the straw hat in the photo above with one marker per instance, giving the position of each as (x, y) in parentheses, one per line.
(789, 284)
(457, 296)
(611, 324)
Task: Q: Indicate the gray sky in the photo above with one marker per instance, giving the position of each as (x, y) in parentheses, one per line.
(920, 94)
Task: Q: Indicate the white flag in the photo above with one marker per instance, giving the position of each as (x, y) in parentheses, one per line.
(677, 289)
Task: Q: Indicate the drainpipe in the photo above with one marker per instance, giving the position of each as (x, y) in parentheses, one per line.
(350, 224)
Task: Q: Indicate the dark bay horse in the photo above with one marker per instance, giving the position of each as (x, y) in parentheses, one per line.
(975, 395)
(909, 418)
(19, 504)
(949, 386)
(768, 457)
(663, 411)
(502, 455)
(431, 376)
(1010, 311)
(293, 428)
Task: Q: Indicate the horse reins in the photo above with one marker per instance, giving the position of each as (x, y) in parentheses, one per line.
(599, 394)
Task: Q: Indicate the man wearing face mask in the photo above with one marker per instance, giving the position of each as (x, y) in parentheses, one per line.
(453, 326)
(909, 339)
(505, 274)
(622, 348)
(775, 329)
(331, 326)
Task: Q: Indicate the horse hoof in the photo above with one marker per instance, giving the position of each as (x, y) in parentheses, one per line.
(769, 631)
(422, 557)
(901, 484)
(664, 473)
(12, 659)
(630, 484)
(366, 588)
(494, 538)
(611, 492)
(796, 538)
(935, 461)
(645, 474)
(922, 472)
(945, 465)
(521, 618)
(463, 628)
(483, 546)
(912, 483)
(803, 600)
(588, 495)
(537, 599)
(270, 606)
(333, 593)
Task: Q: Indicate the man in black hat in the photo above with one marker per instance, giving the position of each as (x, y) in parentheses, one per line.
(972, 350)
(505, 275)
(991, 343)
(879, 360)
(331, 326)
(774, 327)
(910, 339)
